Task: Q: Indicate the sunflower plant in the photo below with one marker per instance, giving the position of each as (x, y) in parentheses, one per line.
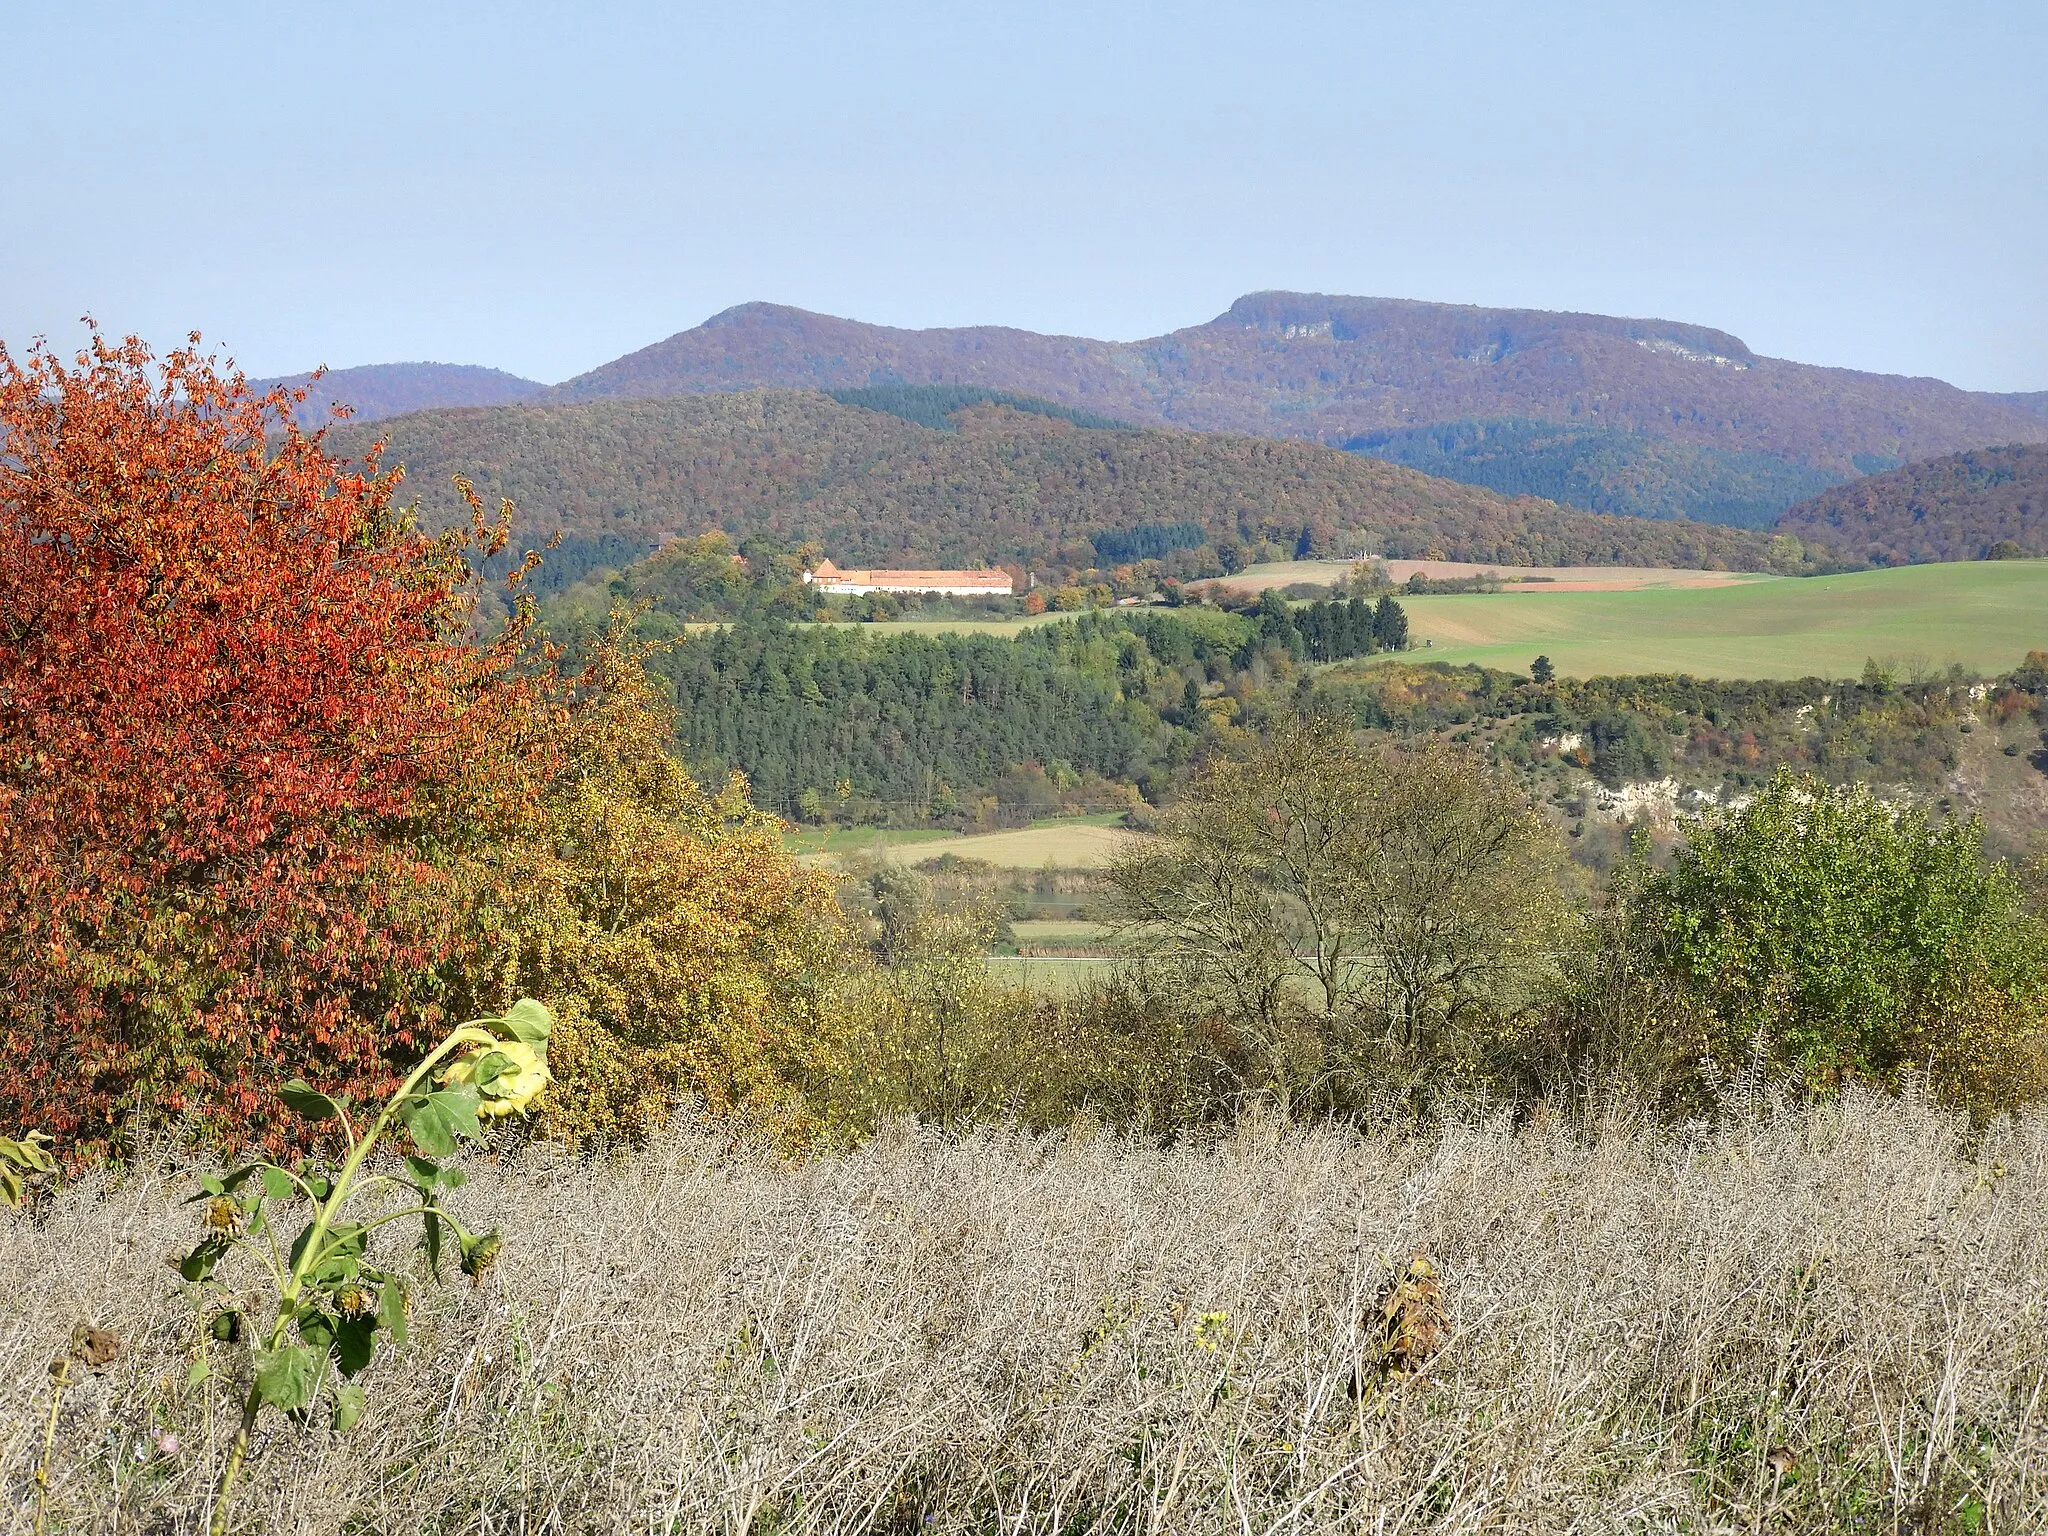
(333, 1298)
(22, 1162)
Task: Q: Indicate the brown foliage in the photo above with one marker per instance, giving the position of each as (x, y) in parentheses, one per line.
(1329, 366)
(875, 489)
(1963, 507)
(671, 933)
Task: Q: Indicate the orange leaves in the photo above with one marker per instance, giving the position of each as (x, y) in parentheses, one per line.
(231, 678)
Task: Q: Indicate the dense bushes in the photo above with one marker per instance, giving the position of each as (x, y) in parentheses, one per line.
(676, 941)
(268, 811)
(1838, 937)
(234, 681)
(1342, 929)
(1359, 923)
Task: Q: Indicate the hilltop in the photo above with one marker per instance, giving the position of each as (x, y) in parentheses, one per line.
(1001, 485)
(1965, 506)
(391, 389)
(1639, 417)
(1663, 417)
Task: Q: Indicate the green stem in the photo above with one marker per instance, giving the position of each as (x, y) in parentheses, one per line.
(309, 1256)
(60, 1378)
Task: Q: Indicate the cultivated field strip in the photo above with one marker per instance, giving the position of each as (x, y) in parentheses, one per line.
(1814, 1320)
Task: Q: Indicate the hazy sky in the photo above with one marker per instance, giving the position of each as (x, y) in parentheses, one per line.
(543, 187)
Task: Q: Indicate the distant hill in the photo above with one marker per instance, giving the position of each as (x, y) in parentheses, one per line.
(2034, 403)
(1003, 486)
(391, 389)
(1961, 507)
(1603, 470)
(1338, 370)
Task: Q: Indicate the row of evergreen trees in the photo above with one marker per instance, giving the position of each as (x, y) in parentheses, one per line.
(1336, 630)
(916, 722)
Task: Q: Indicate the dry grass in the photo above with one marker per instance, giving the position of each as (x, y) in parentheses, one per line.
(1816, 1320)
(1072, 844)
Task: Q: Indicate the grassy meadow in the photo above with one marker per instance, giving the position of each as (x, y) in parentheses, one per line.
(1985, 615)
(1818, 1320)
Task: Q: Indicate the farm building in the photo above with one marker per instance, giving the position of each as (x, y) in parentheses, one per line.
(829, 578)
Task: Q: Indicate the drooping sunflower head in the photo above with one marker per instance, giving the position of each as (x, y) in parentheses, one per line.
(509, 1076)
(355, 1301)
(480, 1253)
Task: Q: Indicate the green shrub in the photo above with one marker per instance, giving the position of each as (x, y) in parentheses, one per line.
(1843, 938)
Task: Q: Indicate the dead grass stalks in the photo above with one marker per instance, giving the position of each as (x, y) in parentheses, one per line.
(1814, 1320)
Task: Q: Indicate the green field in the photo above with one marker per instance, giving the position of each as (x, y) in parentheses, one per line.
(852, 840)
(1984, 614)
(1066, 932)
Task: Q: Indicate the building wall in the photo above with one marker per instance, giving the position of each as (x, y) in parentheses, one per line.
(854, 589)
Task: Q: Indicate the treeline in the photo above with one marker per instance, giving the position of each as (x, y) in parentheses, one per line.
(873, 489)
(1711, 733)
(866, 725)
(857, 725)
(1334, 629)
(692, 581)
(917, 727)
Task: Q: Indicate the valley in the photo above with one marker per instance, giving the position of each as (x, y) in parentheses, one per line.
(1296, 914)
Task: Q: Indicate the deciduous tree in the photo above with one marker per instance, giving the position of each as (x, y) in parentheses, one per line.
(233, 678)
(1355, 915)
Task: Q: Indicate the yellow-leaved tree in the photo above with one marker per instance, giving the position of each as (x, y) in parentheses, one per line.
(678, 943)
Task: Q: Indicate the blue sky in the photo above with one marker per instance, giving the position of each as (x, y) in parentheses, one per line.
(543, 187)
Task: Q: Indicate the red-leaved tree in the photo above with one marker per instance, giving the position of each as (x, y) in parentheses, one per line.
(235, 682)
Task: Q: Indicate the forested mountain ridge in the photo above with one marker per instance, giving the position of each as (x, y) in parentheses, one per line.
(1965, 506)
(1004, 485)
(1603, 469)
(2034, 402)
(1332, 368)
(391, 389)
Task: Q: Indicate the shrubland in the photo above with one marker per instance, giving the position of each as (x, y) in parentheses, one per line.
(234, 678)
(273, 810)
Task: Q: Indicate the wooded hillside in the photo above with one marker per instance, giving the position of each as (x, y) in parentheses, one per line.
(1328, 368)
(389, 389)
(1006, 486)
(1968, 506)
(1601, 469)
